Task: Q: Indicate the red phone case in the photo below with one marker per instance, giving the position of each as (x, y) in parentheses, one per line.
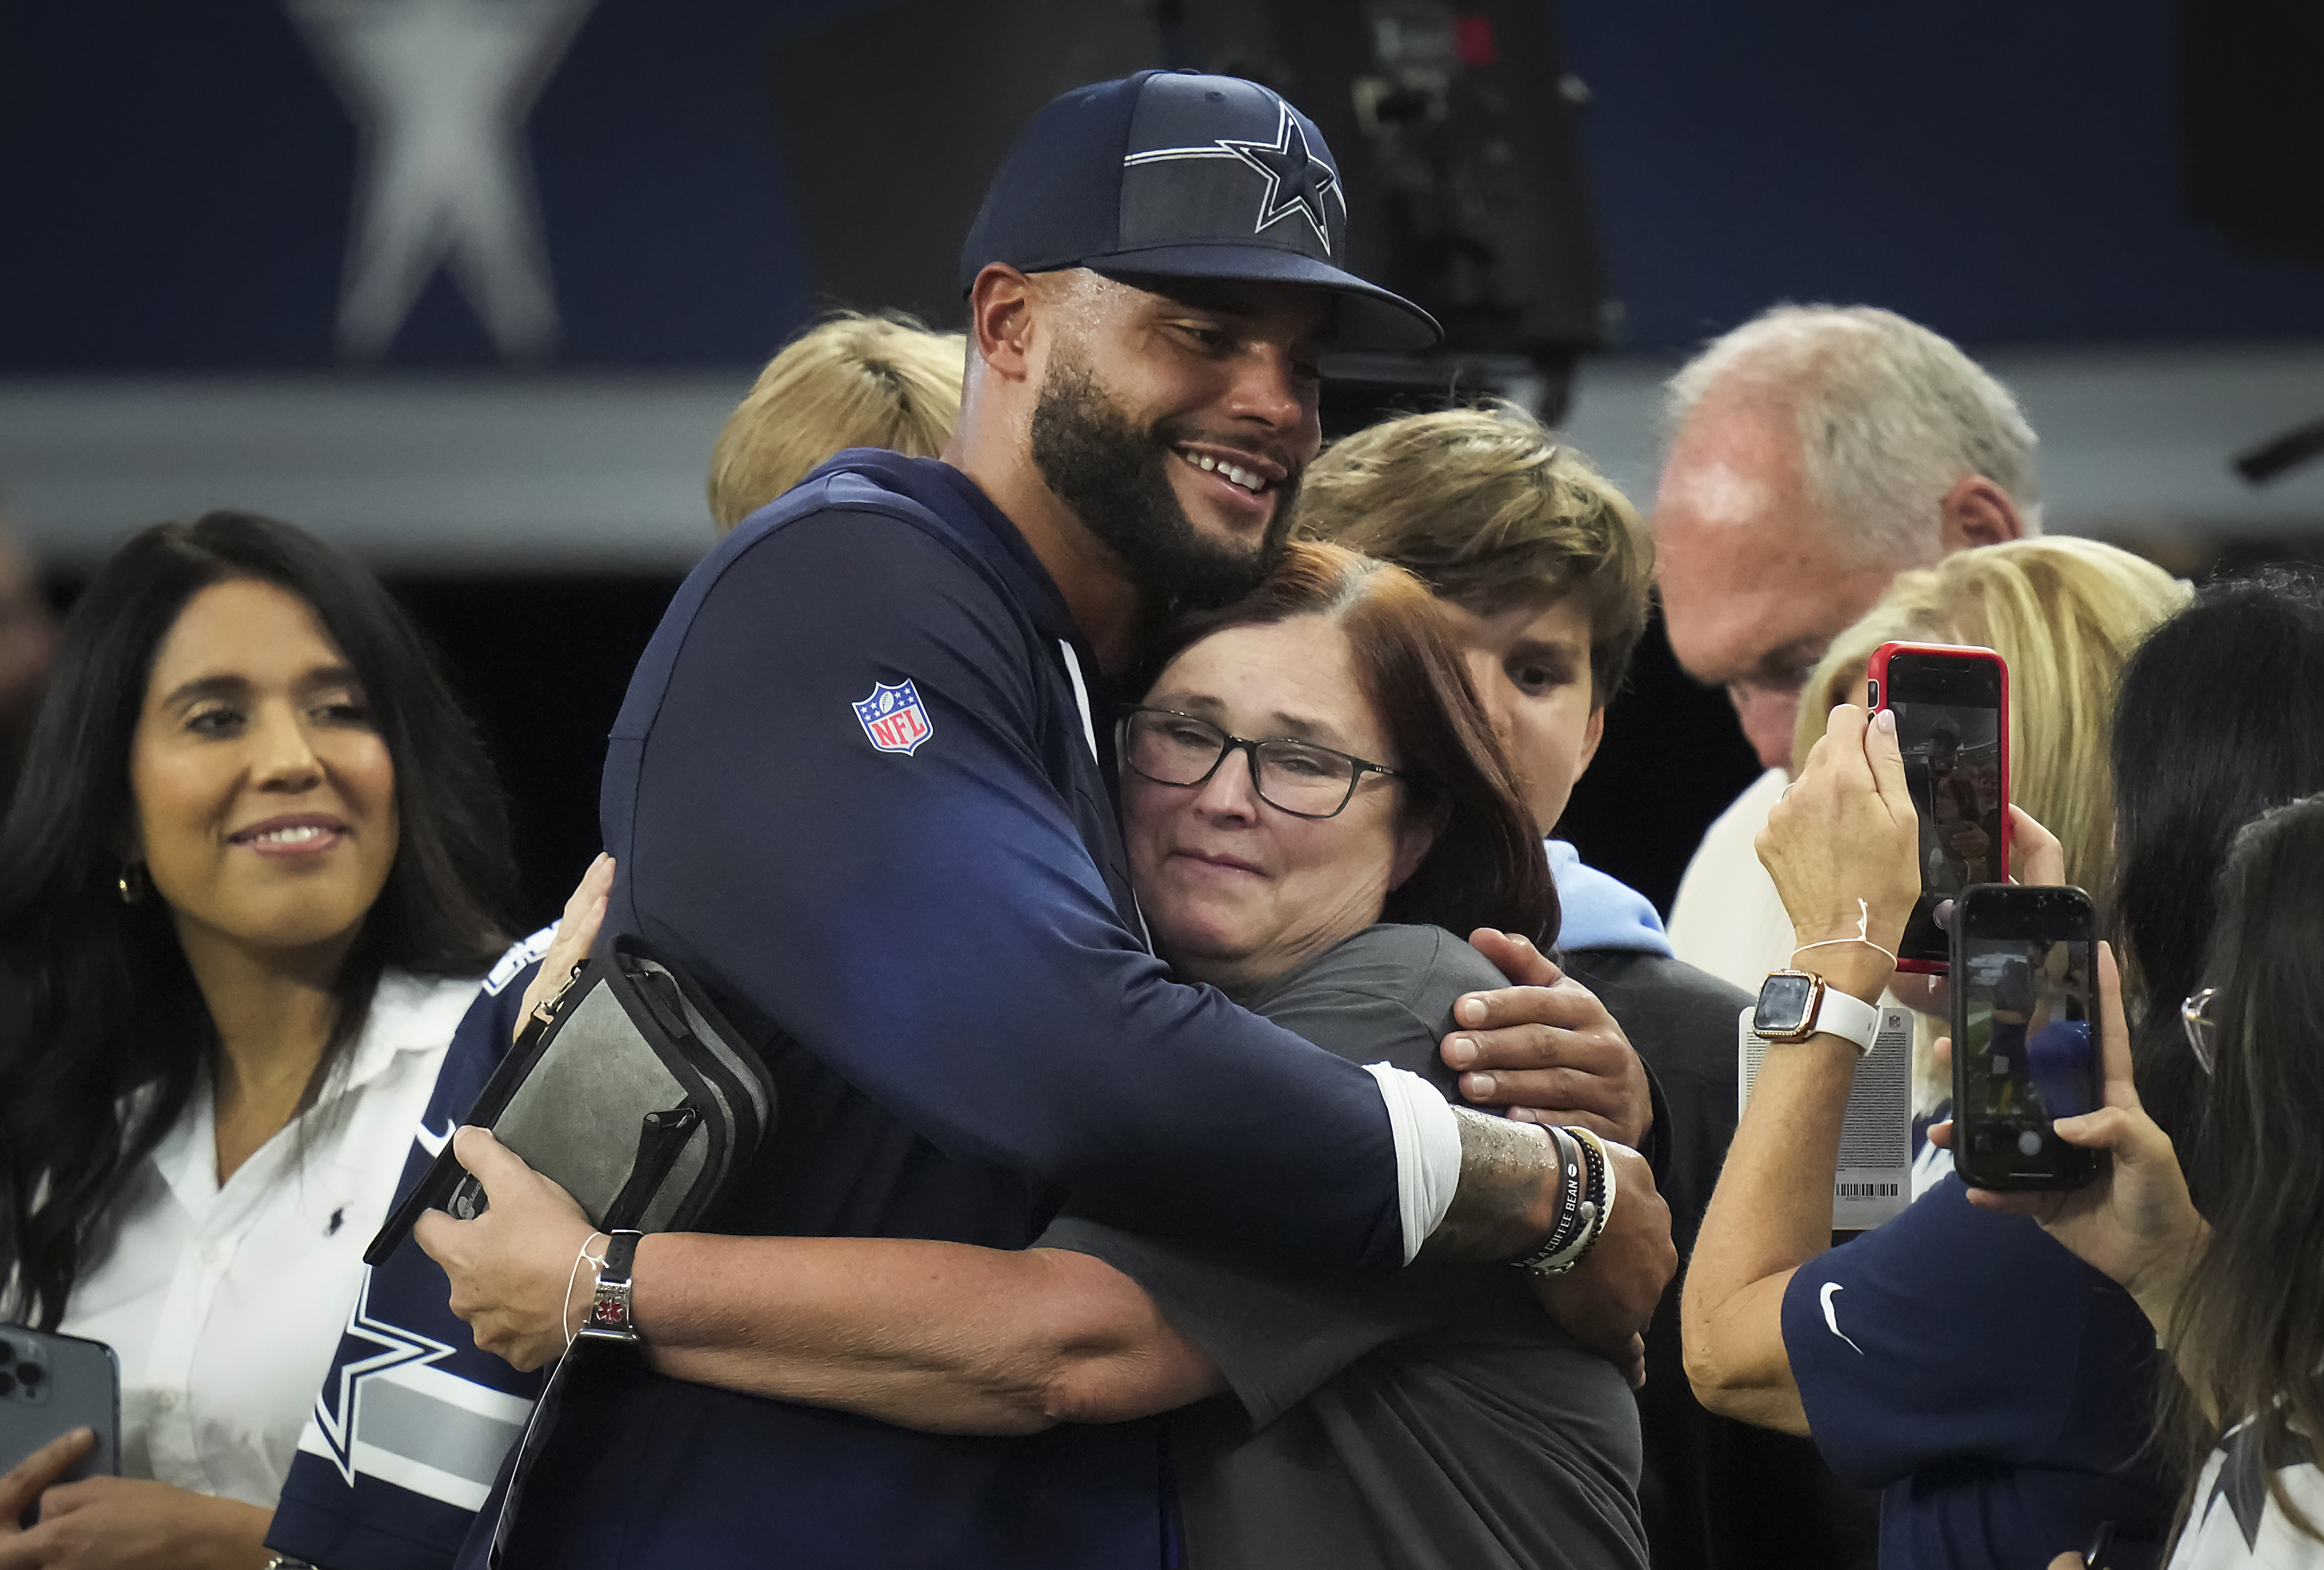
(1879, 675)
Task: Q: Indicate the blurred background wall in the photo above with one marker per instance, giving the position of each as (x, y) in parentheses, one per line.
(468, 286)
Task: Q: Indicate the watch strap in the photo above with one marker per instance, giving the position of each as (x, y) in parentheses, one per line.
(1847, 1017)
(608, 1316)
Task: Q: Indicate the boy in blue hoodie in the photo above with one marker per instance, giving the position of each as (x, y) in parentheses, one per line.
(1545, 571)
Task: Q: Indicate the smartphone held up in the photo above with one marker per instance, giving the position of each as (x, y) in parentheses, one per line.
(51, 1384)
(1951, 704)
(2025, 1027)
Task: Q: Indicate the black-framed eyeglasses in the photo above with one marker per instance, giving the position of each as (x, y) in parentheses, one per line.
(1299, 778)
(2195, 1014)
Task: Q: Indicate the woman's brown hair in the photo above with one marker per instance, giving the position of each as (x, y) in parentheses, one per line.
(1486, 867)
(2244, 1333)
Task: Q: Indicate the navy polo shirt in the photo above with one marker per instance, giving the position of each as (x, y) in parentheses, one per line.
(855, 792)
(1995, 1387)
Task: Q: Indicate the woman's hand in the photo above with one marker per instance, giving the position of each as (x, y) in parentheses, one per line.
(2035, 851)
(24, 1484)
(115, 1523)
(1842, 848)
(576, 932)
(512, 1267)
(2136, 1223)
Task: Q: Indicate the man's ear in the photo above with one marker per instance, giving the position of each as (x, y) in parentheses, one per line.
(1415, 835)
(1002, 308)
(1976, 512)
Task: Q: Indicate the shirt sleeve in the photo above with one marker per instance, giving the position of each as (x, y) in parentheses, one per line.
(413, 1421)
(1946, 1333)
(930, 923)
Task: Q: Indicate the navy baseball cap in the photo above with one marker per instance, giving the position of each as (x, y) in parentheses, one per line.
(1180, 175)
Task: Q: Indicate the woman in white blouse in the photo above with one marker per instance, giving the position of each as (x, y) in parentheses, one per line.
(247, 888)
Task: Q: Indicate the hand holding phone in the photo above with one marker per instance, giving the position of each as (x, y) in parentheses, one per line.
(2136, 1223)
(1951, 704)
(1839, 848)
(2024, 1049)
(50, 1386)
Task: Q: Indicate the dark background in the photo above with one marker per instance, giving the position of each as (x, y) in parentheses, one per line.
(179, 184)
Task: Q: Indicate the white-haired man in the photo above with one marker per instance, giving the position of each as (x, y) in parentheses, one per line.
(1815, 452)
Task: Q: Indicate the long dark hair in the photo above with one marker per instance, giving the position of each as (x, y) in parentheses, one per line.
(1486, 867)
(2220, 716)
(103, 1036)
(2245, 1334)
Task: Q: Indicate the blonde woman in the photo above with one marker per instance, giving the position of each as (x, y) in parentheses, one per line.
(849, 381)
(2066, 615)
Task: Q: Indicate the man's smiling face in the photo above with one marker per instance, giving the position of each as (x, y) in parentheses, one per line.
(1176, 425)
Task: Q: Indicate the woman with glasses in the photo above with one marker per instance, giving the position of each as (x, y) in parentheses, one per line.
(1314, 806)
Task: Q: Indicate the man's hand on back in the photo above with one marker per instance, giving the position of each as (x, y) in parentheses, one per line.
(1545, 1047)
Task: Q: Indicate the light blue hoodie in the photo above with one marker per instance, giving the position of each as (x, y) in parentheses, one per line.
(1598, 911)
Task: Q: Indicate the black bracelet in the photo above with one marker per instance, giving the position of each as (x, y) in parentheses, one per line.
(1572, 1194)
(1593, 1192)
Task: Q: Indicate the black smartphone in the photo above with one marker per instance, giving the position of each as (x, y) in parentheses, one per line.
(2025, 1047)
(51, 1384)
(1951, 703)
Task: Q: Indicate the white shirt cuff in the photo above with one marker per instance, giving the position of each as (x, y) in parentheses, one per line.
(1427, 1151)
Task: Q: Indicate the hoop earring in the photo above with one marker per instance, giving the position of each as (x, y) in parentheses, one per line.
(133, 892)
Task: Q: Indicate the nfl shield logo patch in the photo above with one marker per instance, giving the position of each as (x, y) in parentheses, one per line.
(894, 719)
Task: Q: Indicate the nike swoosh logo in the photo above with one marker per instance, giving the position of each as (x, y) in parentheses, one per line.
(1831, 1315)
(434, 1143)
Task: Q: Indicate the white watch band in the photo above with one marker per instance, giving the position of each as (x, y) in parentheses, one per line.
(1849, 1018)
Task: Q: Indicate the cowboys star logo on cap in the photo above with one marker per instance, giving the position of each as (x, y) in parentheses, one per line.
(1297, 181)
(1178, 174)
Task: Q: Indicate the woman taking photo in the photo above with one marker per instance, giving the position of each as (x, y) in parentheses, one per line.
(2234, 1297)
(1313, 805)
(252, 873)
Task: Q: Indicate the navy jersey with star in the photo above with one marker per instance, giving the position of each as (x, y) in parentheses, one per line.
(412, 1422)
(857, 790)
(1999, 1390)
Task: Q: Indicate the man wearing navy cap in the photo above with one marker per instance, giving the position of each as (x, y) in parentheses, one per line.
(859, 788)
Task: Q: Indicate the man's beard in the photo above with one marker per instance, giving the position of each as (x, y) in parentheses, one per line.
(1116, 478)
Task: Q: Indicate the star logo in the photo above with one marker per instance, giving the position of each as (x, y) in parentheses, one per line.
(1297, 181)
(2242, 1481)
(440, 90)
(398, 1346)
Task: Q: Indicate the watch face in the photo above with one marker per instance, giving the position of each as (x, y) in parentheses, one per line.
(1784, 1006)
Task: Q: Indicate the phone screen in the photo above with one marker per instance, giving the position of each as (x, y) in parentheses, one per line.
(2026, 1050)
(1949, 728)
